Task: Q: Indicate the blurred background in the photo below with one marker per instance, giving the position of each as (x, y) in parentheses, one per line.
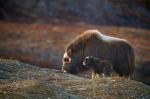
(37, 31)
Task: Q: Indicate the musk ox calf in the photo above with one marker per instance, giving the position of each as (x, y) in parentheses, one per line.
(98, 66)
(93, 43)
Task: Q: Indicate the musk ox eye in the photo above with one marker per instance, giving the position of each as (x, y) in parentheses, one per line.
(67, 60)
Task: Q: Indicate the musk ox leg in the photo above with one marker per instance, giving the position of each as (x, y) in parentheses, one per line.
(95, 75)
(103, 75)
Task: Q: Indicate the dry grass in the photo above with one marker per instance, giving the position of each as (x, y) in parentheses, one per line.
(103, 88)
(28, 82)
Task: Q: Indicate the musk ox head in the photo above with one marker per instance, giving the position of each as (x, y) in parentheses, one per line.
(72, 61)
(90, 60)
(74, 53)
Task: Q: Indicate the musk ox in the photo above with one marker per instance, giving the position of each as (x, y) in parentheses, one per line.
(98, 66)
(93, 43)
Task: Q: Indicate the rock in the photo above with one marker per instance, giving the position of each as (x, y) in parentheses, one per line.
(24, 81)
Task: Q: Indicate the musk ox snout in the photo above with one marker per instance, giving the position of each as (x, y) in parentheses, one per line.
(66, 61)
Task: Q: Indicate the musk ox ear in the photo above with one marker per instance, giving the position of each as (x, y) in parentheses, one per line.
(69, 52)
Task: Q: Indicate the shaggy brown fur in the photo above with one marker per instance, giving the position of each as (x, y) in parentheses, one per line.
(93, 43)
(98, 66)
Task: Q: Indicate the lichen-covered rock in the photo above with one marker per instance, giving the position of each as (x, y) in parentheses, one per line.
(23, 81)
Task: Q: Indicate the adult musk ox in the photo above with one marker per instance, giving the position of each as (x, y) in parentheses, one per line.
(93, 43)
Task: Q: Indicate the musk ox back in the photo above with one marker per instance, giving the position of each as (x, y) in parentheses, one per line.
(93, 43)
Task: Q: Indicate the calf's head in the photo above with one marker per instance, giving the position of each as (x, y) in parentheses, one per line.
(90, 61)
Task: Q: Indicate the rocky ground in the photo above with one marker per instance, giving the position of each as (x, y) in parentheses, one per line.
(37, 31)
(23, 81)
